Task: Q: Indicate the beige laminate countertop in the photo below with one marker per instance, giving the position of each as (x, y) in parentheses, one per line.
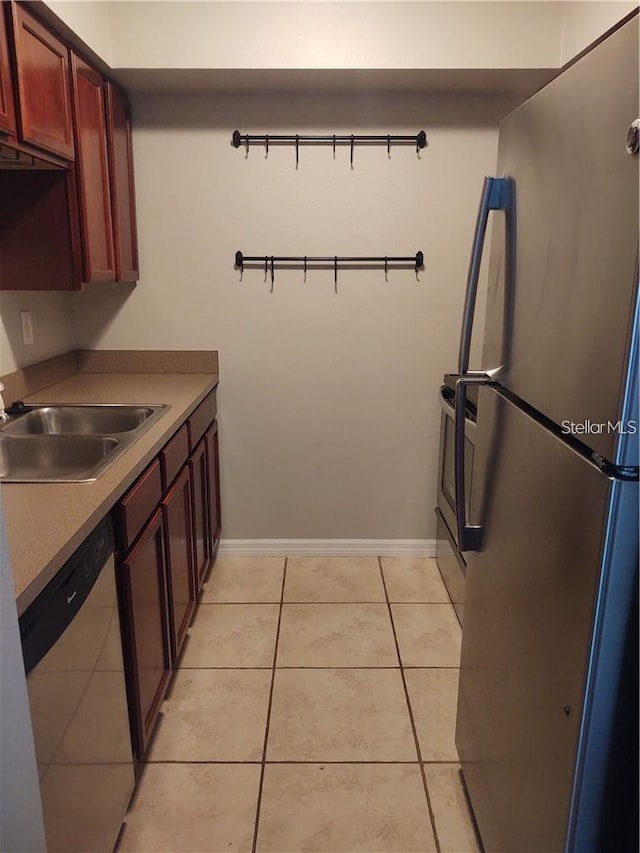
(45, 522)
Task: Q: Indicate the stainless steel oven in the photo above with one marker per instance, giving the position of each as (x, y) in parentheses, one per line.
(450, 560)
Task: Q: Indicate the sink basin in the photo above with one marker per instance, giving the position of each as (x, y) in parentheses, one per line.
(54, 459)
(69, 444)
(79, 420)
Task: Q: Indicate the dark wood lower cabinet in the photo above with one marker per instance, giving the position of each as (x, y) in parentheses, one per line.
(168, 528)
(213, 483)
(142, 574)
(199, 481)
(177, 514)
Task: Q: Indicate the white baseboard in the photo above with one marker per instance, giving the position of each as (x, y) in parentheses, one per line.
(327, 547)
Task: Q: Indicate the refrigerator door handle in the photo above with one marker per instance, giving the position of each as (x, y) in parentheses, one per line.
(469, 535)
(497, 194)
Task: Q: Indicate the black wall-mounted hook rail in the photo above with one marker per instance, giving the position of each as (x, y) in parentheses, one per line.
(352, 139)
(417, 261)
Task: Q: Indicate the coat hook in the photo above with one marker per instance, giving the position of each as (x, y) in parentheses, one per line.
(386, 268)
(297, 148)
(272, 276)
(389, 147)
(334, 146)
(305, 268)
(419, 263)
(335, 273)
(352, 150)
(240, 262)
(265, 267)
(266, 146)
(247, 147)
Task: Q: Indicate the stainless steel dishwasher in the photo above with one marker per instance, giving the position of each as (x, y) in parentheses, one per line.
(75, 679)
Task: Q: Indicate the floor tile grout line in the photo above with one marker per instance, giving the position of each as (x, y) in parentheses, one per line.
(257, 762)
(334, 601)
(266, 732)
(328, 666)
(432, 818)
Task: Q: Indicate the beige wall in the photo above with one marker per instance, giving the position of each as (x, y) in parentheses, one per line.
(329, 412)
(584, 22)
(90, 20)
(52, 327)
(329, 417)
(335, 34)
(409, 35)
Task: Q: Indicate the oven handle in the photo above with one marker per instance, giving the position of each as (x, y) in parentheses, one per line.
(449, 411)
(497, 194)
(469, 535)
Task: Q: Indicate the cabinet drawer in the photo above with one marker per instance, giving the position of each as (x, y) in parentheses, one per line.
(201, 418)
(173, 456)
(139, 502)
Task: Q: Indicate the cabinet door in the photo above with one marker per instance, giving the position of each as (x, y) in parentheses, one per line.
(145, 630)
(7, 105)
(44, 93)
(122, 185)
(198, 466)
(178, 530)
(213, 482)
(40, 201)
(93, 174)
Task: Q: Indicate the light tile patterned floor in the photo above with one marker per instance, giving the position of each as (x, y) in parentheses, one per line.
(314, 711)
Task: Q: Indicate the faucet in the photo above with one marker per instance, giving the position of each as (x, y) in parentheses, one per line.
(3, 415)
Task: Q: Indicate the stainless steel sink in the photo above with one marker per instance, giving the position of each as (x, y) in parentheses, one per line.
(54, 459)
(79, 420)
(69, 444)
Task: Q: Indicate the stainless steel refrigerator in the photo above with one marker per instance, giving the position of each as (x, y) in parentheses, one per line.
(547, 708)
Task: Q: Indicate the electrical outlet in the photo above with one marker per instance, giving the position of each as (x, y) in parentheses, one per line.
(27, 328)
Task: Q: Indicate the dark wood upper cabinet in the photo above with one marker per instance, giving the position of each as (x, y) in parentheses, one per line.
(7, 105)
(43, 81)
(122, 183)
(94, 192)
(176, 512)
(58, 112)
(145, 630)
(39, 255)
